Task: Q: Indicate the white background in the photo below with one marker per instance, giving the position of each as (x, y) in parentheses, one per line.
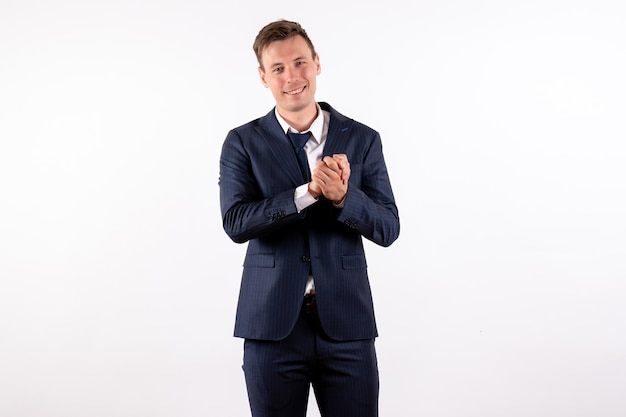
(503, 128)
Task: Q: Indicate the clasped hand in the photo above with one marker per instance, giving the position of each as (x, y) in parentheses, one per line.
(330, 178)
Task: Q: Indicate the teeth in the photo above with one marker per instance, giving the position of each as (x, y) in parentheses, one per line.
(294, 92)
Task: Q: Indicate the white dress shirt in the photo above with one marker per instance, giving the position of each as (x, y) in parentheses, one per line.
(314, 149)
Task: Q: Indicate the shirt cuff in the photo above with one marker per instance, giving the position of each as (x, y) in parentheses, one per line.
(303, 198)
(341, 204)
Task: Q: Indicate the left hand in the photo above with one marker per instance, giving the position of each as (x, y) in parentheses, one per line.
(331, 175)
(344, 165)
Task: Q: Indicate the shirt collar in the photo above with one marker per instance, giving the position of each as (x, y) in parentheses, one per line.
(316, 128)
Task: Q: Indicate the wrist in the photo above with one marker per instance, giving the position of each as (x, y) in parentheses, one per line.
(340, 203)
(314, 192)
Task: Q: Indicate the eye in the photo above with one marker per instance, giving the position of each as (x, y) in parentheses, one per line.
(277, 70)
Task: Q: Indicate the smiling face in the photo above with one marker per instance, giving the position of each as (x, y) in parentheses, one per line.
(289, 70)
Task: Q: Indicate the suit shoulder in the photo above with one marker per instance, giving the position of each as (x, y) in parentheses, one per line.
(361, 127)
(260, 124)
(356, 126)
(246, 127)
(363, 133)
(245, 132)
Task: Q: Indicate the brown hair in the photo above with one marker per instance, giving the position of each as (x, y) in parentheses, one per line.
(279, 31)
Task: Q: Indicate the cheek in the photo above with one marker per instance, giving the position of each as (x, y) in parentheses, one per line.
(311, 75)
(276, 88)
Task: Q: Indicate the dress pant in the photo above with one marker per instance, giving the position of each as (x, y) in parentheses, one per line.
(344, 375)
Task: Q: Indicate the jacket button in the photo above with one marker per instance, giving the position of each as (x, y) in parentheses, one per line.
(306, 258)
(350, 223)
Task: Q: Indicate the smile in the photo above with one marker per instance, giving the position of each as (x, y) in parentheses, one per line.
(295, 92)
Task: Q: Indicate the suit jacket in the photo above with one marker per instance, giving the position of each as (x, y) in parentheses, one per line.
(258, 175)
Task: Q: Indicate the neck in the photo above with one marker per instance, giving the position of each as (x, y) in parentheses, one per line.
(301, 119)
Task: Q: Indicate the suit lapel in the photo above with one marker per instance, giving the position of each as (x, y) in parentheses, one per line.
(338, 132)
(280, 147)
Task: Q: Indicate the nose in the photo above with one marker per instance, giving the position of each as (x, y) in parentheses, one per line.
(291, 73)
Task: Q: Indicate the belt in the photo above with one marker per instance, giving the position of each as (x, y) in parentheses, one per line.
(309, 305)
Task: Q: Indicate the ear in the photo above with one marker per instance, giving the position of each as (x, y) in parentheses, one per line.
(262, 75)
(318, 67)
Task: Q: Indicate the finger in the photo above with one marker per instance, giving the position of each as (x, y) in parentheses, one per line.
(331, 163)
(328, 178)
(327, 174)
(342, 159)
(344, 165)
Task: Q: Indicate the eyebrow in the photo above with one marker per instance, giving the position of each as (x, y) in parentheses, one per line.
(278, 64)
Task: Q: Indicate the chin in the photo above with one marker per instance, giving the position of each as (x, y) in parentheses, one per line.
(299, 104)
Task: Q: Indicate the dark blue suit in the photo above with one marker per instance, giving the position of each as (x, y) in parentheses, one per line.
(258, 176)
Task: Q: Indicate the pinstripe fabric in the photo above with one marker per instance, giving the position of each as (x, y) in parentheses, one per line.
(258, 175)
(344, 375)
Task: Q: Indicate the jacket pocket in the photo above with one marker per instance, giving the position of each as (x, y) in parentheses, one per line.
(259, 260)
(353, 261)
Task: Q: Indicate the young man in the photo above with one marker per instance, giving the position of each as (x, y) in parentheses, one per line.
(305, 308)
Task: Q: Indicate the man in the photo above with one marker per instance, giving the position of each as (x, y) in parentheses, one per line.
(305, 307)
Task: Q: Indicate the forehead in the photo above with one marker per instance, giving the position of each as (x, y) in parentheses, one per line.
(280, 52)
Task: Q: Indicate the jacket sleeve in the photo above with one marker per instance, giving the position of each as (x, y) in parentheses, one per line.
(246, 212)
(370, 207)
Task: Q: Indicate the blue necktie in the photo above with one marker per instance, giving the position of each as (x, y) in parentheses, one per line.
(299, 140)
